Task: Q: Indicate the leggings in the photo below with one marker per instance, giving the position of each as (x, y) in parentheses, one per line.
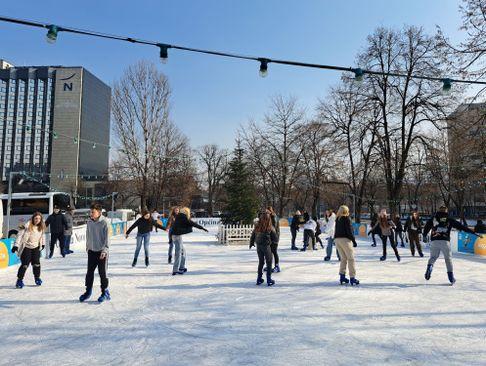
(392, 243)
(274, 248)
(29, 256)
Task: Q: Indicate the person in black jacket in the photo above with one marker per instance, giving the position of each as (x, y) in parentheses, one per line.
(274, 245)
(345, 243)
(144, 225)
(440, 227)
(182, 225)
(480, 228)
(264, 236)
(297, 220)
(374, 220)
(57, 223)
(413, 227)
(398, 230)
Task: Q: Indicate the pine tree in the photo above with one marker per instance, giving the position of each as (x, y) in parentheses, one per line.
(242, 202)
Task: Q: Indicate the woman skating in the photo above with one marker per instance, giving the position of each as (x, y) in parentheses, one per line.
(264, 236)
(398, 230)
(318, 231)
(330, 230)
(182, 225)
(173, 213)
(274, 245)
(309, 232)
(345, 243)
(28, 246)
(385, 227)
(144, 225)
(413, 227)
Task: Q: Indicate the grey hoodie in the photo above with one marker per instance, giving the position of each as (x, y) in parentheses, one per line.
(97, 235)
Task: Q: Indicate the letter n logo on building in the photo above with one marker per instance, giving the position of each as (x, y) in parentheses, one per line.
(68, 87)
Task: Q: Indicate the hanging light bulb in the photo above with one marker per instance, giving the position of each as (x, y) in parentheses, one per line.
(358, 75)
(164, 52)
(52, 31)
(263, 67)
(446, 86)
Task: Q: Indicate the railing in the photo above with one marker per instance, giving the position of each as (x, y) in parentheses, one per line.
(234, 234)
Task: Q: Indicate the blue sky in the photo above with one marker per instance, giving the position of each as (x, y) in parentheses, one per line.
(212, 97)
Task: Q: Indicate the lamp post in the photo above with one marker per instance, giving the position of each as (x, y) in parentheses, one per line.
(113, 194)
(9, 201)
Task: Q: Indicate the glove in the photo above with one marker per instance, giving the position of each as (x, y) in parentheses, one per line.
(14, 249)
(251, 246)
(206, 230)
(42, 248)
(355, 244)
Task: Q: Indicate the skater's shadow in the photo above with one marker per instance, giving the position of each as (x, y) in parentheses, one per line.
(10, 303)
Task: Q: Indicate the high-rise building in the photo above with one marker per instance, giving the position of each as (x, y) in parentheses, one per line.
(55, 125)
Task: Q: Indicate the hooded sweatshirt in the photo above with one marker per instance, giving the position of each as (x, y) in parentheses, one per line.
(97, 235)
(441, 225)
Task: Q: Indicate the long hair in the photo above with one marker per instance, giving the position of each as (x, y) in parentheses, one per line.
(264, 224)
(343, 211)
(41, 226)
(186, 211)
(383, 219)
(272, 211)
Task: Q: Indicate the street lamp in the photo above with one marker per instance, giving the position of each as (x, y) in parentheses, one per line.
(113, 194)
(9, 201)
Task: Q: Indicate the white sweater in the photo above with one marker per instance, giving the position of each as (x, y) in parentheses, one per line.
(310, 225)
(331, 225)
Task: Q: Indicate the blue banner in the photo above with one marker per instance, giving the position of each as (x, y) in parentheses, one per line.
(7, 258)
(465, 242)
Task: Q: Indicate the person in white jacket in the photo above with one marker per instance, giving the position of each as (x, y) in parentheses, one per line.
(309, 232)
(329, 231)
(28, 246)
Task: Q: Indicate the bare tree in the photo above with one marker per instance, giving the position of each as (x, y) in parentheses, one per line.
(274, 150)
(215, 166)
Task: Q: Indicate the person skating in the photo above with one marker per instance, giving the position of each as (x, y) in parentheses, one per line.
(345, 243)
(28, 246)
(57, 224)
(294, 227)
(330, 230)
(274, 245)
(264, 236)
(398, 230)
(413, 227)
(155, 216)
(144, 225)
(318, 231)
(173, 213)
(440, 227)
(480, 228)
(97, 248)
(374, 220)
(69, 231)
(385, 228)
(182, 225)
(309, 232)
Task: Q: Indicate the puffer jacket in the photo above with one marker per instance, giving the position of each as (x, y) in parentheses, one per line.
(262, 239)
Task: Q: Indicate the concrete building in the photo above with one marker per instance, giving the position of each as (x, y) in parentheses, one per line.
(55, 125)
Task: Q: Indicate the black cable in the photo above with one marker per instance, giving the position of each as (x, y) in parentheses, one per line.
(237, 56)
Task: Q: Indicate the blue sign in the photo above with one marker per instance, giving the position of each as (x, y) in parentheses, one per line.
(465, 242)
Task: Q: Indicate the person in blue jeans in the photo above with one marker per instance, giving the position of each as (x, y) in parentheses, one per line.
(144, 225)
(174, 212)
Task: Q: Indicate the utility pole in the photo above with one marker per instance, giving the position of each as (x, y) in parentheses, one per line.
(113, 194)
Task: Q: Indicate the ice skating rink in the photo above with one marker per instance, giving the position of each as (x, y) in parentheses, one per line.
(215, 315)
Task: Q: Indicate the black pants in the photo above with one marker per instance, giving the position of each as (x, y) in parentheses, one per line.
(29, 256)
(102, 264)
(309, 234)
(319, 240)
(55, 237)
(398, 234)
(274, 248)
(264, 256)
(373, 237)
(392, 243)
(293, 231)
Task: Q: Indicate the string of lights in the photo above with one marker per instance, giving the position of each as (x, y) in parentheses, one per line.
(53, 31)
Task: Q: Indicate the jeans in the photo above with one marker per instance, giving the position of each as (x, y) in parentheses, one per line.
(330, 243)
(398, 234)
(94, 262)
(67, 243)
(294, 235)
(146, 241)
(171, 244)
(180, 253)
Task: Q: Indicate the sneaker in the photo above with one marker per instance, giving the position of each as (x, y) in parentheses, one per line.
(105, 295)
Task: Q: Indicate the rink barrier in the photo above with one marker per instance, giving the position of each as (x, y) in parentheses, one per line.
(234, 234)
(7, 258)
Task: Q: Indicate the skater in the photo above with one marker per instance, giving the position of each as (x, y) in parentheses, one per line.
(173, 213)
(374, 220)
(274, 244)
(480, 228)
(318, 231)
(264, 236)
(309, 232)
(58, 224)
(69, 231)
(155, 217)
(182, 225)
(97, 247)
(345, 243)
(144, 225)
(29, 244)
(294, 227)
(440, 227)
(398, 230)
(330, 230)
(413, 227)
(385, 228)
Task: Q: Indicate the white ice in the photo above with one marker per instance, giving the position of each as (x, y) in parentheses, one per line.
(215, 315)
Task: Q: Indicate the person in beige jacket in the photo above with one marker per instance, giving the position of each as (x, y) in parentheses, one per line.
(345, 243)
(28, 246)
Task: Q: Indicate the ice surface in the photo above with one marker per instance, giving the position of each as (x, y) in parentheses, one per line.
(215, 315)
